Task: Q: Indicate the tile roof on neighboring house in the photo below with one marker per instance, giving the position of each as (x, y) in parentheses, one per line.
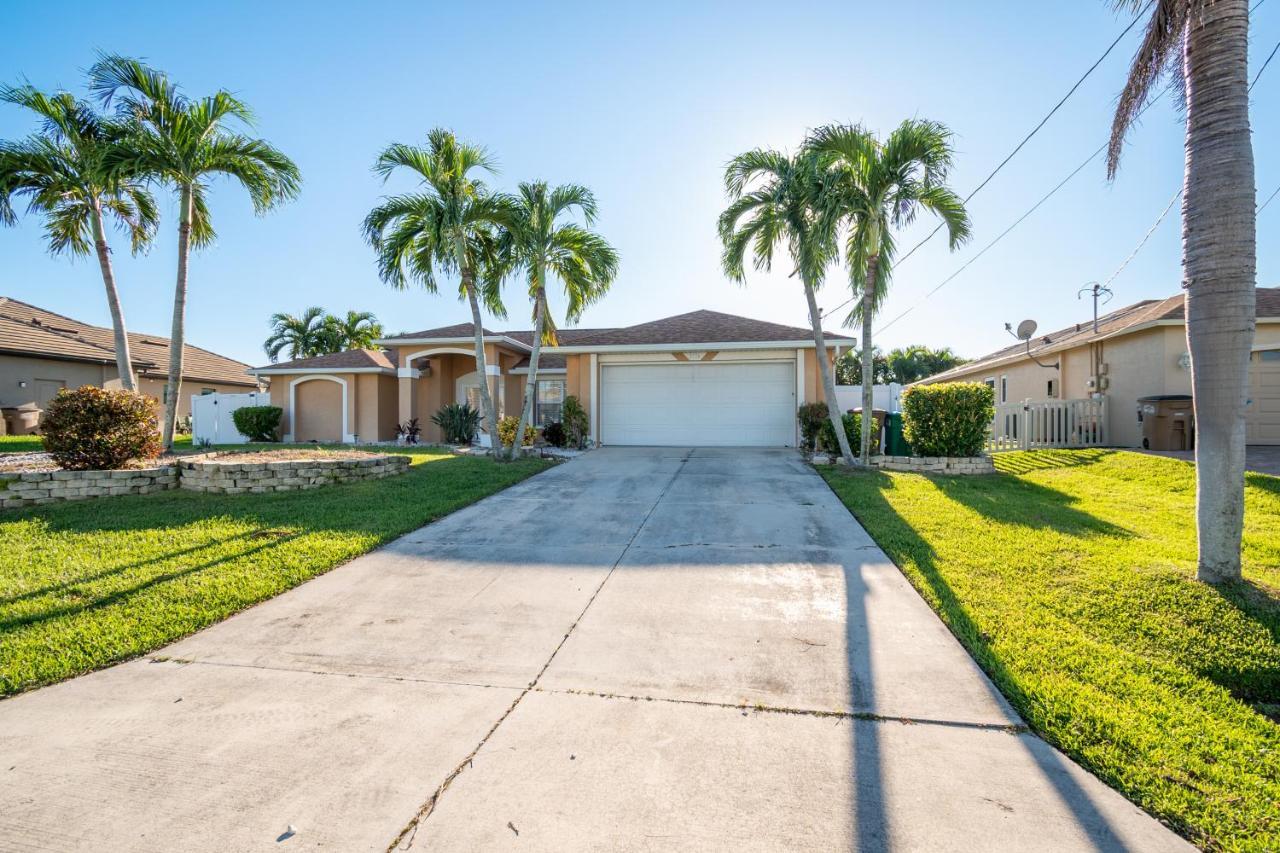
(28, 330)
(696, 327)
(1130, 318)
(355, 359)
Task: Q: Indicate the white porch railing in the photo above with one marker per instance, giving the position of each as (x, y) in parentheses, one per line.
(1034, 424)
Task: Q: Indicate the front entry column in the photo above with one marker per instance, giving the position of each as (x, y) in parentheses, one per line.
(408, 382)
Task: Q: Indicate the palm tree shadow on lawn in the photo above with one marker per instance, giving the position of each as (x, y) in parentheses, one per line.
(901, 540)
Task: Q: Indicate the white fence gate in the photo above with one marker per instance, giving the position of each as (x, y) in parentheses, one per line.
(211, 416)
(885, 397)
(1034, 424)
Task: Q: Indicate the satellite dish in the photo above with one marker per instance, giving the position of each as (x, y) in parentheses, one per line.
(1026, 329)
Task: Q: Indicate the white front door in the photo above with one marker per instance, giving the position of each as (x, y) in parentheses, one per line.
(701, 403)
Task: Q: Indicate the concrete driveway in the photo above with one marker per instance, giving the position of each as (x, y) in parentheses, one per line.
(640, 650)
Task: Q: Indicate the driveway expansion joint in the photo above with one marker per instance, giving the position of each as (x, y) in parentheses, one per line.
(410, 830)
(866, 716)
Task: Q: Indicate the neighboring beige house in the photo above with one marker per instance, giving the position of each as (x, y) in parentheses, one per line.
(702, 378)
(1138, 351)
(42, 352)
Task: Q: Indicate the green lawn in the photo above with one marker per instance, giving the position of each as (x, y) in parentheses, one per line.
(86, 584)
(32, 444)
(1069, 577)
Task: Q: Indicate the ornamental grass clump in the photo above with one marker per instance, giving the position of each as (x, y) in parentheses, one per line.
(92, 429)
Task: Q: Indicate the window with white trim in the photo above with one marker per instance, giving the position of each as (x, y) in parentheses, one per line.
(548, 402)
(1004, 389)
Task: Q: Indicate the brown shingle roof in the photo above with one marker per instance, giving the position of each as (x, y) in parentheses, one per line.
(355, 359)
(546, 361)
(700, 327)
(696, 327)
(1130, 317)
(34, 331)
(457, 330)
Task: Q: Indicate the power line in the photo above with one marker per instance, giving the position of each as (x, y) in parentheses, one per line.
(1274, 193)
(1179, 193)
(1025, 139)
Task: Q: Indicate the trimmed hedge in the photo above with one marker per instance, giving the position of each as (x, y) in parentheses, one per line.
(948, 419)
(853, 431)
(91, 429)
(258, 423)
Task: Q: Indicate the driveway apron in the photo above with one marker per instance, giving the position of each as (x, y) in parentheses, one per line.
(642, 649)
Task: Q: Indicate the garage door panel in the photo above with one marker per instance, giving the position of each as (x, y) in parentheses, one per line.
(699, 403)
(1262, 418)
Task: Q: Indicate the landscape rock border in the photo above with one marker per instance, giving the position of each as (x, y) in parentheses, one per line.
(963, 465)
(199, 473)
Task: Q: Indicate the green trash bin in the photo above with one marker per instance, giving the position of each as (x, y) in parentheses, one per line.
(895, 441)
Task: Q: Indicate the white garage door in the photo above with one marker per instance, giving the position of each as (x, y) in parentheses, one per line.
(743, 404)
(1262, 419)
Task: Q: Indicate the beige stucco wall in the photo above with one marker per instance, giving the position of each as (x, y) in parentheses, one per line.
(318, 416)
(375, 407)
(41, 374)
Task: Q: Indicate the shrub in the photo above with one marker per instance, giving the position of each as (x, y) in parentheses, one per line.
(95, 429)
(409, 431)
(258, 423)
(554, 434)
(811, 417)
(459, 422)
(507, 431)
(853, 431)
(576, 423)
(948, 419)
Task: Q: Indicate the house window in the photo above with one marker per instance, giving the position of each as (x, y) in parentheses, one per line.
(204, 392)
(1004, 389)
(549, 401)
(1269, 355)
(1052, 391)
(990, 382)
(164, 394)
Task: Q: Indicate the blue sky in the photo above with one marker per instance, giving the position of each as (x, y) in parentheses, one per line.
(644, 103)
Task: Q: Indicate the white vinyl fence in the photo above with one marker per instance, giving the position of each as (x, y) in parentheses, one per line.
(885, 397)
(1034, 424)
(211, 416)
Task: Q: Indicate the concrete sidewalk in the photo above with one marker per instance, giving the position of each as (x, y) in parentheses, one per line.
(643, 649)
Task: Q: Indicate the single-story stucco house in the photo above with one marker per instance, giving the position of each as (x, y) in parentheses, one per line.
(42, 352)
(702, 378)
(1137, 351)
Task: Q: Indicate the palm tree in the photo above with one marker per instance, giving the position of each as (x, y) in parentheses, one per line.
(303, 336)
(1205, 45)
(185, 144)
(779, 196)
(448, 226)
(869, 189)
(533, 242)
(60, 171)
(357, 330)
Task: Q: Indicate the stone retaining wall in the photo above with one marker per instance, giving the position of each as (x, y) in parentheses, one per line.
(42, 487)
(230, 477)
(927, 464)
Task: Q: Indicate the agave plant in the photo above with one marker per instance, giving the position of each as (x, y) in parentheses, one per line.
(459, 422)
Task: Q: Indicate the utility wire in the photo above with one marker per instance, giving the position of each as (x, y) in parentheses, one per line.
(1045, 198)
(1178, 194)
(1024, 141)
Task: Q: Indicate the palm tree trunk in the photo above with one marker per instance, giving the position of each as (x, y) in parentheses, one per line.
(1219, 273)
(868, 358)
(531, 381)
(124, 358)
(486, 399)
(828, 382)
(176, 337)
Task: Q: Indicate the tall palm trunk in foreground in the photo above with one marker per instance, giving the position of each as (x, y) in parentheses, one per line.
(1219, 273)
(482, 367)
(1207, 42)
(868, 361)
(178, 332)
(120, 334)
